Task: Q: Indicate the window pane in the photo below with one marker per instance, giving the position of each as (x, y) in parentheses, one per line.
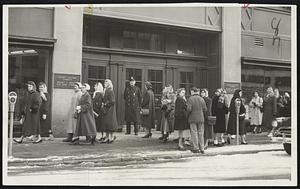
(182, 77)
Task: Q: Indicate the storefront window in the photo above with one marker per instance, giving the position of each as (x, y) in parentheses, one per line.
(155, 77)
(26, 64)
(94, 33)
(96, 74)
(186, 81)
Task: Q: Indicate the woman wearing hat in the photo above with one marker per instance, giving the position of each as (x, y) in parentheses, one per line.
(72, 121)
(86, 121)
(231, 130)
(148, 120)
(31, 125)
(110, 123)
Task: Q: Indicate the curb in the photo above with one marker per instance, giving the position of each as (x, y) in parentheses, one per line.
(104, 161)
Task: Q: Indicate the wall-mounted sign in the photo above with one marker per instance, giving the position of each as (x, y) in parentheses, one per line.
(65, 81)
(230, 87)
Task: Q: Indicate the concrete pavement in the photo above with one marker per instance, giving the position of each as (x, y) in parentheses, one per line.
(127, 149)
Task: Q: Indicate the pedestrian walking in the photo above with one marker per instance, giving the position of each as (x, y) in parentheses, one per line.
(98, 108)
(208, 129)
(219, 109)
(196, 107)
(255, 105)
(85, 120)
(147, 110)
(167, 111)
(270, 109)
(31, 114)
(45, 125)
(132, 97)
(72, 116)
(181, 121)
(231, 130)
(110, 123)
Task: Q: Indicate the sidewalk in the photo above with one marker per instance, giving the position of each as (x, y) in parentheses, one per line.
(125, 150)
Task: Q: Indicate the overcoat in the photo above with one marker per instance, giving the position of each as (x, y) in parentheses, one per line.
(71, 122)
(208, 129)
(255, 111)
(167, 114)
(45, 109)
(132, 97)
(148, 121)
(270, 111)
(233, 116)
(32, 115)
(181, 121)
(110, 123)
(86, 121)
(219, 109)
(195, 108)
(97, 106)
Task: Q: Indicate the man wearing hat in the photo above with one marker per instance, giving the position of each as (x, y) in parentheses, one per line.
(196, 107)
(132, 97)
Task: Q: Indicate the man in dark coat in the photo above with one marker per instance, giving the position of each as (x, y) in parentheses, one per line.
(132, 97)
(31, 123)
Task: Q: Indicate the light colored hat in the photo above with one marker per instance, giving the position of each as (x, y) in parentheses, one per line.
(78, 84)
(87, 86)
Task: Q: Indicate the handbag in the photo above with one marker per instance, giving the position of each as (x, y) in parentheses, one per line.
(75, 115)
(144, 111)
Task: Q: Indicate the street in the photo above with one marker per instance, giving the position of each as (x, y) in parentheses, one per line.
(262, 168)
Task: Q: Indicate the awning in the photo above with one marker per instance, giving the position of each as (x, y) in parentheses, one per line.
(266, 62)
(32, 41)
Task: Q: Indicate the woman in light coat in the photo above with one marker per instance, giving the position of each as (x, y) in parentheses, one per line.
(86, 121)
(255, 105)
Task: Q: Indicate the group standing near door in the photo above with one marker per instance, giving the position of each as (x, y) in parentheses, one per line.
(92, 115)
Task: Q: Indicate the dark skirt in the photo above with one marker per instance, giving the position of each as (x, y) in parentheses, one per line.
(208, 129)
(220, 126)
(181, 123)
(232, 125)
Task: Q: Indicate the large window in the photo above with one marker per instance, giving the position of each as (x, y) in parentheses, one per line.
(96, 74)
(186, 81)
(142, 40)
(95, 33)
(26, 64)
(155, 77)
(191, 45)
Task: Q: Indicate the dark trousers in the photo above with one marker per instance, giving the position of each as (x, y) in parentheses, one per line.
(128, 127)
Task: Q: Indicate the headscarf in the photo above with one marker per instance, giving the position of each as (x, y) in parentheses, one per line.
(110, 85)
(148, 85)
(87, 86)
(33, 84)
(235, 96)
(99, 88)
(78, 84)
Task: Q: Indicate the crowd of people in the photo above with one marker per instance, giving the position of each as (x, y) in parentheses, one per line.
(207, 119)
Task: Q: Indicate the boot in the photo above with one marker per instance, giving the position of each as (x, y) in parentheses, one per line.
(69, 138)
(128, 128)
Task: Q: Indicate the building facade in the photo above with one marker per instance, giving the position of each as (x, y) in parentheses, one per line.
(185, 47)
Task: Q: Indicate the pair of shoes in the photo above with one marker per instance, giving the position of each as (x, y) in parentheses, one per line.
(115, 138)
(176, 140)
(135, 133)
(195, 151)
(37, 141)
(205, 147)
(74, 141)
(147, 135)
(166, 139)
(181, 148)
(101, 139)
(219, 145)
(105, 140)
(93, 140)
(18, 141)
(127, 133)
(244, 142)
(202, 151)
(161, 138)
(109, 141)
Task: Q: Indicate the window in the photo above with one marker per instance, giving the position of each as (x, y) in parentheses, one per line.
(186, 81)
(142, 40)
(155, 77)
(95, 33)
(96, 74)
(136, 74)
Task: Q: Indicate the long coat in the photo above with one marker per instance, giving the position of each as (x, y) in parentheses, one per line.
(132, 97)
(97, 106)
(110, 123)
(233, 116)
(219, 109)
(148, 121)
(31, 123)
(208, 129)
(181, 121)
(167, 114)
(86, 121)
(255, 111)
(71, 122)
(44, 109)
(195, 108)
(270, 110)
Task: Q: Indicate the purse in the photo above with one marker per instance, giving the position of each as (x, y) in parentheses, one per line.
(75, 115)
(144, 111)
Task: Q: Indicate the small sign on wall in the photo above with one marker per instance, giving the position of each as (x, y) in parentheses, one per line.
(65, 81)
(230, 87)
